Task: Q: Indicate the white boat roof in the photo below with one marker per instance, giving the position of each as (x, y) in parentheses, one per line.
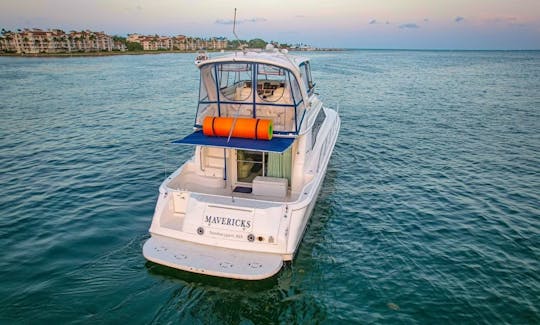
(274, 57)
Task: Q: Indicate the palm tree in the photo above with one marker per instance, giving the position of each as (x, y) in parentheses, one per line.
(68, 39)
(92, 39)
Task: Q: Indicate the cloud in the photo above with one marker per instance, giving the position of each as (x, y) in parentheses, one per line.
(426, 20)
(255, 20)
(300, 16)
(240, 21)
(511, 22)
(224, 21)
(499, 20)
(409, 26)
(459, 19)
(377, 22)
(507, 19)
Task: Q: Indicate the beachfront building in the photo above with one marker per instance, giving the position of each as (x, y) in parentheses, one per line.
(179, 42)
(35, 41)
(151, 43)
(154, 43)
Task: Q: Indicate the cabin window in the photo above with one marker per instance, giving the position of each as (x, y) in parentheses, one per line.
(305, 71)
(250, 164)
(207, 95)
(235, 81)
(298, 100)
(203, 94)
(319, 120)
(271, 84)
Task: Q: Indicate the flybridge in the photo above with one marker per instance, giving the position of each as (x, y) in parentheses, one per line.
(267, 89)
(255, 85)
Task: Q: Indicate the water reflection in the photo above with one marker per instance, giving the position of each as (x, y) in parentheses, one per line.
(205, 299)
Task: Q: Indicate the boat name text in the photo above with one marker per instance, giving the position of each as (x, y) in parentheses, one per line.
(225, 221)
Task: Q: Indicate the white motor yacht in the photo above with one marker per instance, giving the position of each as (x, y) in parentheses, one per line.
(262, 141)
(201, 56)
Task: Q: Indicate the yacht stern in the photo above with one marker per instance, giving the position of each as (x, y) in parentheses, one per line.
(211, 260)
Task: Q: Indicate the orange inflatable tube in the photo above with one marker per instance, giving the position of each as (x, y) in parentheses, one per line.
(250, 128)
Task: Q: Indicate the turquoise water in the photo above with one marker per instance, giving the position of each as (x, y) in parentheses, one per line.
(429, 212)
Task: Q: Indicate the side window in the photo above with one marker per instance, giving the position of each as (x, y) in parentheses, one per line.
(317, 126)
(207, 90)
(305, 71)
(311, 84)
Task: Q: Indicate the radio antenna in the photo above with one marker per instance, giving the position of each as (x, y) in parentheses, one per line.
(234, 26)
(240, 45)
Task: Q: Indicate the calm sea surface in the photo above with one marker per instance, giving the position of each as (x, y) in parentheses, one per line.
(429, 213)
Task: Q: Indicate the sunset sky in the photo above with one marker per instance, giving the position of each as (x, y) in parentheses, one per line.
(409, 24)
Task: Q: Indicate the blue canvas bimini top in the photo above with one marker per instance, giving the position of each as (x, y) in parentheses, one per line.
(199, 139)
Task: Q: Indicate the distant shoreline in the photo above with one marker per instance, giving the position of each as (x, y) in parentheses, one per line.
(88, 54)
(113, 53)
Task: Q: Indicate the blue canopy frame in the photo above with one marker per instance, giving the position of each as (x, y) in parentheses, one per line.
(199, 139)
(297, 99)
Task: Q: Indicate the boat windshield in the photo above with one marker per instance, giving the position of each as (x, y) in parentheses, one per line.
(247, 89)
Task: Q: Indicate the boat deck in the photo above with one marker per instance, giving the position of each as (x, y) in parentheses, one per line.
(189, 180)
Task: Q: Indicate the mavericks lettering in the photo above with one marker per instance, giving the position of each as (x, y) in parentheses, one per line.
(225, 221)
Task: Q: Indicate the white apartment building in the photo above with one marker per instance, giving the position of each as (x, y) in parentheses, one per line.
(35, 41)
